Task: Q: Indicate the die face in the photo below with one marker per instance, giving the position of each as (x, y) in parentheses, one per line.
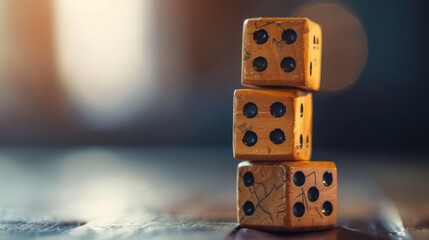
(311, 195)
(261, 201)
(287, 196)
(272, 125)
(281, 52)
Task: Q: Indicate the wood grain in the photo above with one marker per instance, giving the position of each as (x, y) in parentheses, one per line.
(306, 50)
(274, 193)
(292, 123)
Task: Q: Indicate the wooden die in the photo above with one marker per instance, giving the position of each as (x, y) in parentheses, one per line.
(282, 52)
(287, 196)
(272, 125)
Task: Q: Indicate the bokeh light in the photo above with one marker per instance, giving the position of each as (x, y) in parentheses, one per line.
(104, 52)
(345, 47)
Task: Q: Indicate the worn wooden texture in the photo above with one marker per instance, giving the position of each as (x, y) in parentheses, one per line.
(294, 123)
(287, 196)
(306, 50)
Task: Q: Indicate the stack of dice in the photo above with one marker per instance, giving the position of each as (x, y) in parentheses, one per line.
(278, 187)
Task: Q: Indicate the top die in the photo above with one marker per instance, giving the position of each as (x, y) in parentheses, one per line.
(284, 52)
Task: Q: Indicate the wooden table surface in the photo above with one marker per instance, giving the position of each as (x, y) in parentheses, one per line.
(169, 193)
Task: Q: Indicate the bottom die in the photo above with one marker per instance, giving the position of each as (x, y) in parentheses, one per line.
(287, 196)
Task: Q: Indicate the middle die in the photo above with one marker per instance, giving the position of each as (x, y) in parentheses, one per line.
(272, 124)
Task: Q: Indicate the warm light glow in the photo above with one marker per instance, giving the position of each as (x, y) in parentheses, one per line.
(345, 47)
(7, 97)
(2, 35)
(3, 13)
(105, 58)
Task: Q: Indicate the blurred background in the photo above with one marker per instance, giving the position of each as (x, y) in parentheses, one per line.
(112, 109)
(151, 73)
